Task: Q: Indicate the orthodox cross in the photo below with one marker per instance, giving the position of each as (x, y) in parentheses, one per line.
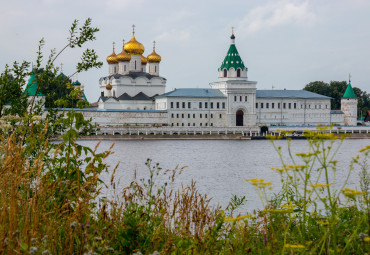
(133, 29)
(61, 67)
(114, 45)
(153, 45)
(232, 30)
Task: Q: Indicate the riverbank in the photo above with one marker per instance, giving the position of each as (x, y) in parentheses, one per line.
(198, 137)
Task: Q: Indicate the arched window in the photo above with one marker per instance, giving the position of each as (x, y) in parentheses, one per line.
(238, 72)
(114, 70)
(225, 73)
(155, 69)
(125, 68)
(114, 93)
(135, 65)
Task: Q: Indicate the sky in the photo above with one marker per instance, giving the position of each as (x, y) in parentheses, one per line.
(284, 43)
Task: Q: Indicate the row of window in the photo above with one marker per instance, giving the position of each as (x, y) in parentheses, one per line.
(211, 105)
(289, 105)
(191, 124)
(241, 98)
(190, 115)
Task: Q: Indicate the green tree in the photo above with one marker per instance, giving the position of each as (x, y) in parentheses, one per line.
(335, 90)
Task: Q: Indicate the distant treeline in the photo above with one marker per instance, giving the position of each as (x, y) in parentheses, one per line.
(336, 89)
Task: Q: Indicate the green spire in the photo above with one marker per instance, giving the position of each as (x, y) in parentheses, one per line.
(32, 86)
(232, 58)
(349, 91)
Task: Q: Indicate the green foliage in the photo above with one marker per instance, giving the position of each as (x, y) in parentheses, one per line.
(336, 89)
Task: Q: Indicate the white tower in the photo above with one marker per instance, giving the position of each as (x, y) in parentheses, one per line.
(112, 63)
(349, 106)
(154, 59)
(241, 93)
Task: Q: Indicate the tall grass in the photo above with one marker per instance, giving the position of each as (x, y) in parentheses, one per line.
(51, 203)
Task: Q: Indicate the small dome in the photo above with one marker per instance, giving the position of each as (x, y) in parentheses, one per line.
(108, 87)
(123, 56)
(133, 47)
(144, 60)
(112, 59)
(154, 57)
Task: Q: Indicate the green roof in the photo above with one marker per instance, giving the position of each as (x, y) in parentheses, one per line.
(349, 92)
(32, 86)
(232, 59)
(76, 83)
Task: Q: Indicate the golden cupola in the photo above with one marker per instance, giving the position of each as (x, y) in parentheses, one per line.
(133, 47)
(144, 60)
(154, 57)
(123, 56)
(112, 59)
(108, 87)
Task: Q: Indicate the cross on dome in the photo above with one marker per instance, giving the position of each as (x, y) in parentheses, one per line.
(232, 30)
(114, 45)
(133, 29)
(153, 45)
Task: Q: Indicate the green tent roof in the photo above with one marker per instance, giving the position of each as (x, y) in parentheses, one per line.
(232, 58)
(76, 83)
(32, 86)
(349, 92)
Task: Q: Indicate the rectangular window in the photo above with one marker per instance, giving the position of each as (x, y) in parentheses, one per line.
(272, 105)
(246, 99)
(278, 105)
(177, 124)
(267, 105)
(177, 105)
(200, 105)
(188, 124)
(206, 124)
(193, 124)
(295, 105)
(223, 105)
(315, 106)
(206, 105)
(182, 116)
(206, 116)
(172, 115)
(200, 124)
(211, 124)
(218, 105)
(290, 105)
(320, 106)
(200, 115)
(189, 105)
(241, 98)
(177, 115)
(182, 124)
(183, 105)
(261, 105)
(194, 116)
(256, 105)
(211, 115)
(284, 105)
(220, 115)
(188, 115)
(171, 104)
(235, 98)
(211, 105)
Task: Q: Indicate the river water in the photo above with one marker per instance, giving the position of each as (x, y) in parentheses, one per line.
(219, 167)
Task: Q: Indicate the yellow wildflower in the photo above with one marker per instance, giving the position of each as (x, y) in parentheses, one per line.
(294, 246)
(367, 239)
(238, 218)
(319, 185)
(365, 148)
(324, 223)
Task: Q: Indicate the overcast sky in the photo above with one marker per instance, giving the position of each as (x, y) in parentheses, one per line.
(285, 43)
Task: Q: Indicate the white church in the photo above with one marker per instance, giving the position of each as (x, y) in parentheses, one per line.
(134, 92)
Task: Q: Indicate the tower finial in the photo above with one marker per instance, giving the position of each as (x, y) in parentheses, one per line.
(232, 30)
(349, 77)
(61, 67)
(114, 45)
(153, 45)
(133, 29)
(123, 42)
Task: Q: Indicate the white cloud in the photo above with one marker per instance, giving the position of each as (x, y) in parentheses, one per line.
(276, 14)
(174, 35)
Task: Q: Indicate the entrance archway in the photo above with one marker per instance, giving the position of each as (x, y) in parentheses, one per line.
(239, 118)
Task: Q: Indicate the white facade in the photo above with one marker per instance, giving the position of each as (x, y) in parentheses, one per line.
(349, 107)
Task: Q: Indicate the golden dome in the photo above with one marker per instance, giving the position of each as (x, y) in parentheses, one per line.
(108, 87)
(123, 56)
(133, 47)
(144, 60)
(112, 59)
(154, 57)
